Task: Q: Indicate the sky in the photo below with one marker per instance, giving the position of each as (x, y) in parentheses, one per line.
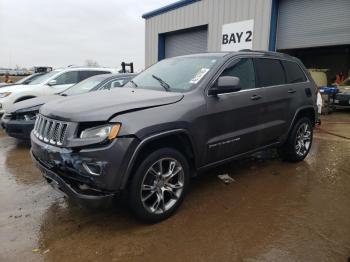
(59, 33)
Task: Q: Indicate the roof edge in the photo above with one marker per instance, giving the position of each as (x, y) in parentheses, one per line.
(168, 8)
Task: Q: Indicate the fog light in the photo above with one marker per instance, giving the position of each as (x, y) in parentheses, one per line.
(92, 169)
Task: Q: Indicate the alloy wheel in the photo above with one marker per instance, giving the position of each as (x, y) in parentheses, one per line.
(162, 185)
(303, 140)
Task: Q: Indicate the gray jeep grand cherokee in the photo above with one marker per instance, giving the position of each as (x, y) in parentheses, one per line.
(175, 119)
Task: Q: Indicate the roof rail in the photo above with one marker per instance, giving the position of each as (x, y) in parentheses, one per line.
(246, 50)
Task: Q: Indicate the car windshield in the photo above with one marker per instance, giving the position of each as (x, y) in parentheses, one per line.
(84, 86)
(28, 79)
(41, 79)
(178, 74)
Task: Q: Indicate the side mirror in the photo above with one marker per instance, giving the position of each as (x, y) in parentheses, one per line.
(52, 82)
(225, 84)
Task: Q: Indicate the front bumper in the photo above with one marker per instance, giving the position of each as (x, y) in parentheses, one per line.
(66, 168)
(72, 191)
(17, 128)
(342, 100)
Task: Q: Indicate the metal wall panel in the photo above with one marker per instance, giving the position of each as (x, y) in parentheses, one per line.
(213, 13)
(186, 42)
(311, 23)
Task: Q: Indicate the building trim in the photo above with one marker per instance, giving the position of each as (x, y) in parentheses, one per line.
(168, 8)
(273, 25)
(161, 47)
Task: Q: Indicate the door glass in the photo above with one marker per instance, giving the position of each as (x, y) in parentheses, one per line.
(293, 72)
(67, 78)
(90, 73)
(269, 72)
(116, 83)
(244, 70)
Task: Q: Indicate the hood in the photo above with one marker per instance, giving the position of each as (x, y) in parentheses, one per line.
(16, 88)
(102, 105)
(33, 102)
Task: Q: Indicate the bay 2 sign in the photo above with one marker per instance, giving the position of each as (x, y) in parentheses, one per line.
(237, 36)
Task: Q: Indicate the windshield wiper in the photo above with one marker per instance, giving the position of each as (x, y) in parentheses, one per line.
(131, 81)
(164, 84)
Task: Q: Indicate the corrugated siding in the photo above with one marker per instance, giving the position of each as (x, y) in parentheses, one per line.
(186, 42)
(213, 13)
(310, 23)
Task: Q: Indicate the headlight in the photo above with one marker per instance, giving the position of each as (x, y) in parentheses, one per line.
(5, 94)
(106, 131)
(30, 116)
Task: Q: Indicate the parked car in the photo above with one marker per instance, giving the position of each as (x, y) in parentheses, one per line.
(177, 118)
(19, 119)
(342, 99)
(24, 81)
(47, 84)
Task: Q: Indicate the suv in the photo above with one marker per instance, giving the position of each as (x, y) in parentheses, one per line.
(179, 117)
(47, 84)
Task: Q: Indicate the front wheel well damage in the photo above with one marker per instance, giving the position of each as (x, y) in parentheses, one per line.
(180, 142)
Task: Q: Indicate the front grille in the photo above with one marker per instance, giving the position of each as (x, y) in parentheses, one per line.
(50, 130)
(343, 97)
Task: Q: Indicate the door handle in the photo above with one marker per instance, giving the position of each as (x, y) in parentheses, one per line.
(255, 97)
(291, 91)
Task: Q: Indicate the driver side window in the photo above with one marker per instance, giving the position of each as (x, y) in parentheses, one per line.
(115, 83)
(244, 70)
(71, 77)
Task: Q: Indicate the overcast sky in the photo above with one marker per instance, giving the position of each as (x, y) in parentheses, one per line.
(63, 32)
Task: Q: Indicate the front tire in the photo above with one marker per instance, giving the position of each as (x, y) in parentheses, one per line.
(299, 141)
(159, 185)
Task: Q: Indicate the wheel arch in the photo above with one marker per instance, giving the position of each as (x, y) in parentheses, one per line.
(178, 139)
(306, 111)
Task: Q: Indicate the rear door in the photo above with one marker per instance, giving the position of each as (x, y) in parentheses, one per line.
(234, 118)
(278, 97)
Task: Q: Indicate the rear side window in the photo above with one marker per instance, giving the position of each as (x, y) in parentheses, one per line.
(244, 70)
(66, 78)
(90, 73)
(269, 72)
(294, 73)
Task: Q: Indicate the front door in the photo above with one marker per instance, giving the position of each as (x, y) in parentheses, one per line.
(234, 118)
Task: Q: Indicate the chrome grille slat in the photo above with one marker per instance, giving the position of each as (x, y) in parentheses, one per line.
(41, 128)
(50, 131)
(47, 130)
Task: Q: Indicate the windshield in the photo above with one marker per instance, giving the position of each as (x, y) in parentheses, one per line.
(28, 79)
(41, 79)
(84, 86)
(178, 74)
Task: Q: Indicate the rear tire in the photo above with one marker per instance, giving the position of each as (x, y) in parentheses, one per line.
(299, 141)
(159, 185)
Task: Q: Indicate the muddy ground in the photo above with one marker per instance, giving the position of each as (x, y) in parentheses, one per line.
(273, 211)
